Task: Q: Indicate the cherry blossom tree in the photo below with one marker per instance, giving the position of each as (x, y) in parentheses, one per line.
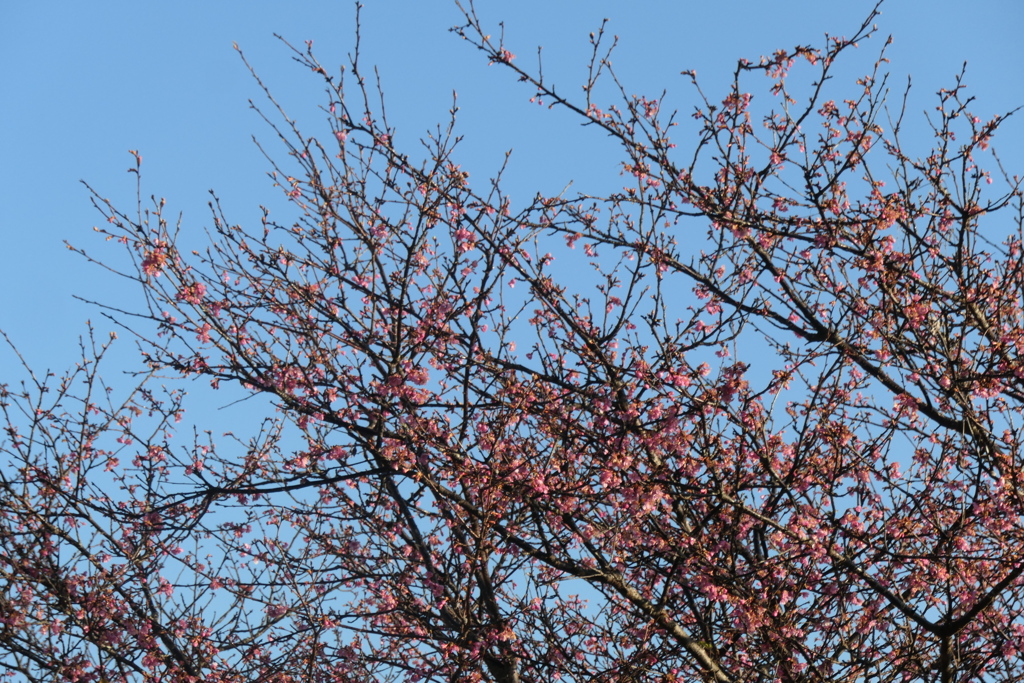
(756, 416)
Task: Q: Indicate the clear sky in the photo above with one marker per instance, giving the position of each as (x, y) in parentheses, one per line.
(83, 82)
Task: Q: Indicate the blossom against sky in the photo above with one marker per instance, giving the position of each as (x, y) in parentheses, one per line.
(83, 83)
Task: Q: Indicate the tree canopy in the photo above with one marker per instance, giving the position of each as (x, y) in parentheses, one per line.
(754, 416)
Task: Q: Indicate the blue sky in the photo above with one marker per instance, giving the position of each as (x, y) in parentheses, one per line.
(82, 83)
